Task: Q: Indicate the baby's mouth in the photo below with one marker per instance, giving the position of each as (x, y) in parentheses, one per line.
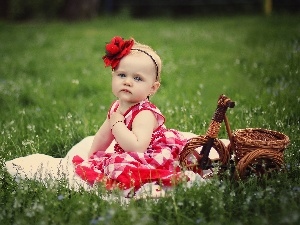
(125, 90)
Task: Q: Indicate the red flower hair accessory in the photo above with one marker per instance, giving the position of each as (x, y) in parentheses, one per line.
(115, 50)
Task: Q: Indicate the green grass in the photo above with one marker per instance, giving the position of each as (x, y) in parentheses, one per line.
(54, 91)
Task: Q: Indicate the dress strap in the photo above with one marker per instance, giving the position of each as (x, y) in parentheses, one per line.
(145, 105)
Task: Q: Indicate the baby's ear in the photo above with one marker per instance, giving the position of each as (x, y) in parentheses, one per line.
(154, 87)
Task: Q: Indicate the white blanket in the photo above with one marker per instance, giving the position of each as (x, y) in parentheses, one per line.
(47, 169)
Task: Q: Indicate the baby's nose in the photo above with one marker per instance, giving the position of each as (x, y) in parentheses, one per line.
(127, 81)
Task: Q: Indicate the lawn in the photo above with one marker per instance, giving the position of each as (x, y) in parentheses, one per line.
(54, 91)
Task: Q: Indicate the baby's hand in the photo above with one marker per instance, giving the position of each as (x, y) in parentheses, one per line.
(115, 117)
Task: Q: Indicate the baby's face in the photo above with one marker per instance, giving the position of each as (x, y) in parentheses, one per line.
(135, 78)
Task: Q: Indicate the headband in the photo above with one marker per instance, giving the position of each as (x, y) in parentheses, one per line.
(117, 48)
(156, 66)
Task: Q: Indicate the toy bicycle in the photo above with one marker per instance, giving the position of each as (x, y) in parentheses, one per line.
(251, 151)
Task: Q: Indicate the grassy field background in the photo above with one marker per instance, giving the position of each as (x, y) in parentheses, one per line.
(54, 91)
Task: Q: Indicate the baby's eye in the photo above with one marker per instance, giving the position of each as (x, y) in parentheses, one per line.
(138, 78)
(122, 75)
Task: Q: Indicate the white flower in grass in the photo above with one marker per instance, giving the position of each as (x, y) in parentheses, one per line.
(77, 122)
(22, 112)
(17, 179)
(17, 204)
(27, 142)
(69, 116)
(37, 207)
(272, 103)
(199, 220)
(31, 127)
(180, 203)
(76, 82)
(29, 212)
(60, 197)
(58, 128)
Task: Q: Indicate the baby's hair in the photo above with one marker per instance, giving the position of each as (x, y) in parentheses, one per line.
(145, 49)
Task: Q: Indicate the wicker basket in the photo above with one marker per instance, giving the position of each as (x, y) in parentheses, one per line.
(193, 159)
(190, 155)
(258, 151)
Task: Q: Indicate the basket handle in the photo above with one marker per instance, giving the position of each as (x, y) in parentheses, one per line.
(213, 130)
(223, 104)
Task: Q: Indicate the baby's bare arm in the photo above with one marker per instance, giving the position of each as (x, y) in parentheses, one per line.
(137, 139)
(102, 139)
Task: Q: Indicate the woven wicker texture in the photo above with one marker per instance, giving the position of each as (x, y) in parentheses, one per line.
(249, 139)
(258, 151)
(189, 156)
(259, 162)
(191, 159)
(213, 129)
